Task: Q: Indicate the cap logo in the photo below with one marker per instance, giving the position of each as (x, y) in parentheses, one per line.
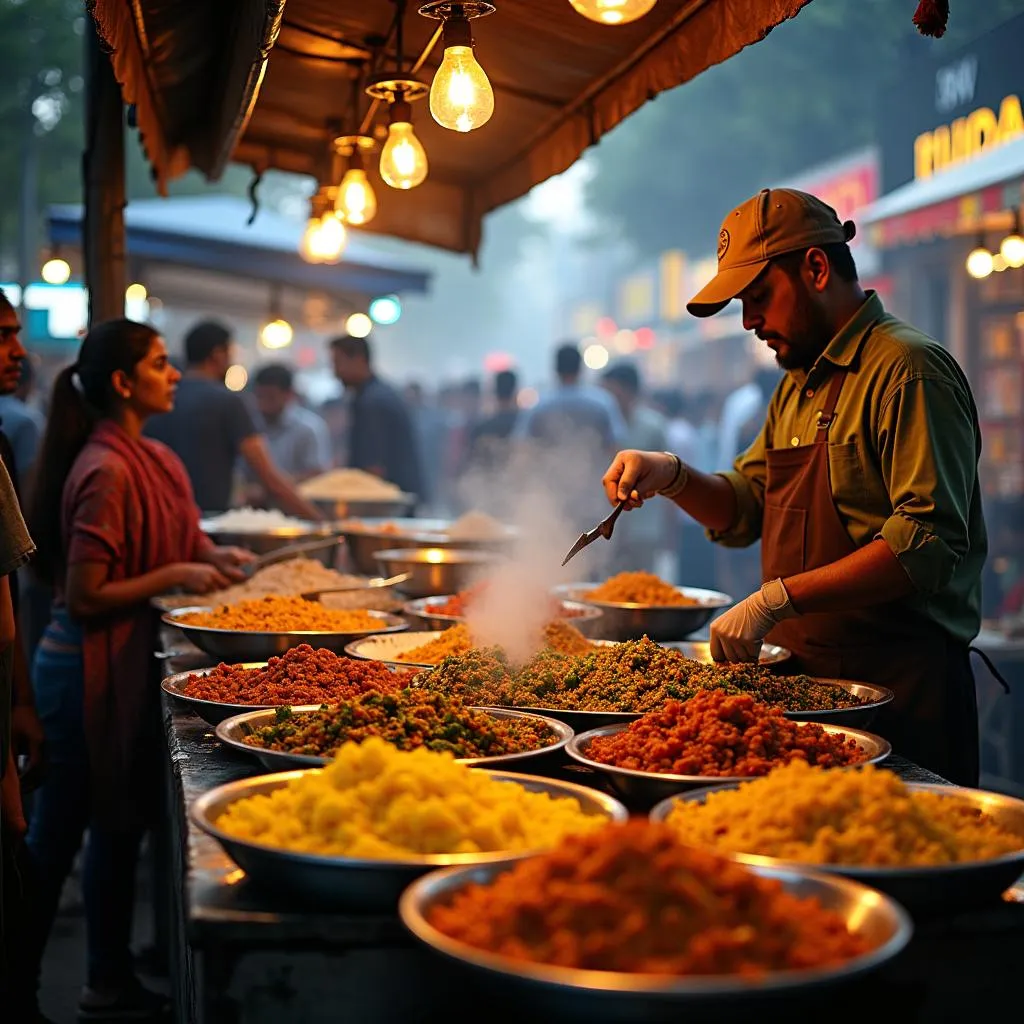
(723, 243)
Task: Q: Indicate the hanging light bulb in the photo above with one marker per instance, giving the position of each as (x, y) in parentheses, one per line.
(1012, 246)
(333, 237)
(276, 334)
(356, 203)
(461, 97)
(403, 161)
(613, 12)
(980, 262)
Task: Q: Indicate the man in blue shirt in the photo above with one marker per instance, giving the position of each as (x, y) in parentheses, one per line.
(382, 439)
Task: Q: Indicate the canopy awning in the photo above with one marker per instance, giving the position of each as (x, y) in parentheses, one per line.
(211, 233)
(953, 201)
(260, 81)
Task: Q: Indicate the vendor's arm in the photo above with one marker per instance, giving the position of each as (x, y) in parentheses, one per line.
(256, 453)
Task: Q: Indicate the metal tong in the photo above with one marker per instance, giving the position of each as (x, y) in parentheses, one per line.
(603, 529)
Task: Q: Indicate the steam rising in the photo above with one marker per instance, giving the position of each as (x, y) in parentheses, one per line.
(549, 497)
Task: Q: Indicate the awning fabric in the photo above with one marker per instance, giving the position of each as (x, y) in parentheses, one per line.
(561, 82)
(951, 201)
(211, 233)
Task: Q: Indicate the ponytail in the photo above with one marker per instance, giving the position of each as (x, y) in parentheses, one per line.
(67, 429)
(82, 395)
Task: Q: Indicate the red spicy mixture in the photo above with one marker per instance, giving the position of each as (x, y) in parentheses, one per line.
(714, 733)
(302, 676)
(634, 898)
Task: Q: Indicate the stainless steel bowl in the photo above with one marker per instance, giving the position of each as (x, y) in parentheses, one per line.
(874, 698)
(435, 570)
(263, 542)
(210, 711)
(365, 537)
(232, 732)
(346, 881)
(583, 617)
(642, 789)
(941, 887)
(700, 650)
(386, 649)
(658, 622)
(546, 992)
(238, 645)
(344, 508)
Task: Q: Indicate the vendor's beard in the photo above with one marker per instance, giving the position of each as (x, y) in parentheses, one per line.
(807, 339)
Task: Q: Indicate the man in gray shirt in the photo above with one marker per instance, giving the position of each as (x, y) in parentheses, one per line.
(297, 437)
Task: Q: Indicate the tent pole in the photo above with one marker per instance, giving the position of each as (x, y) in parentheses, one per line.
(103, 178)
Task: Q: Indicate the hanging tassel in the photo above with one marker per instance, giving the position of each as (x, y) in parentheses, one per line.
(932, 17)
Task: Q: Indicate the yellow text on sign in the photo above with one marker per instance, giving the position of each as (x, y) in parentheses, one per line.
(967, 137)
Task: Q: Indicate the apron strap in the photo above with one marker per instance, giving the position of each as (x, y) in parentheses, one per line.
(828, 412)
(996, 674)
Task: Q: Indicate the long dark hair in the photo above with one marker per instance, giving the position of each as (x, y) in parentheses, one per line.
(83, 394)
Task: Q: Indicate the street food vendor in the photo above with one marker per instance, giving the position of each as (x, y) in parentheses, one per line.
(862, 484)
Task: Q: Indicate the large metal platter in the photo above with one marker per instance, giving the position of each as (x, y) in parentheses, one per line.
(658, 622)
(365, 537)
(212, 711)
(237, 645)
(642, 789)
(585, 618)
(549, 993)
(700, 650)
(360, 884)
(232, 732)
(387, 647)
(940, 887)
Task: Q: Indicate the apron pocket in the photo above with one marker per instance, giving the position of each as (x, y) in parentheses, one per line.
(783, 534)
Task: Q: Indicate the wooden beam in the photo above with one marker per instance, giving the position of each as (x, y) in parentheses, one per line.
(103, 180)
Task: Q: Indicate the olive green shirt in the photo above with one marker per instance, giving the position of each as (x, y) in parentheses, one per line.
(903, 454)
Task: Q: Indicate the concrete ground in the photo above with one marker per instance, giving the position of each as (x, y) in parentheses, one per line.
(64, 963)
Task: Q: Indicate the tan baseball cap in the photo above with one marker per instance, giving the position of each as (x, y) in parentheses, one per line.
(774, 222)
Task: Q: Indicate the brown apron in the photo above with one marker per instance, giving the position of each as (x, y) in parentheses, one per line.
(934, 718)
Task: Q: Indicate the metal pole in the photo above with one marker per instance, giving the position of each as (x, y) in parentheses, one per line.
(28, 207)
(103, 178)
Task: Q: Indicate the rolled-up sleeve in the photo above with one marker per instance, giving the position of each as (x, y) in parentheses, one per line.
(928, 446)
(747, 479)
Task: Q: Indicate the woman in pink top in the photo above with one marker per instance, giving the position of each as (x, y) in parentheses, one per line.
(115, 525)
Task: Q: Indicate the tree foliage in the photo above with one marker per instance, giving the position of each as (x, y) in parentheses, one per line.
(808, 93)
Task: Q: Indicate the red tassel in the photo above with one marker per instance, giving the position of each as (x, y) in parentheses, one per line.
(932, 17)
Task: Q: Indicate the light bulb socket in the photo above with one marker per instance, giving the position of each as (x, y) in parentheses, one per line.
(319, 204)
(392, 85)
(355, 161)
(443, 10)
(400, 111)
(349, 145)
(457, 31)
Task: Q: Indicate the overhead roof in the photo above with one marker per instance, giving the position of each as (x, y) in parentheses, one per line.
(210, 232)
(259, 81)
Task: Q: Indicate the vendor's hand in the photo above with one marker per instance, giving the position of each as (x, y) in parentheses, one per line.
(199, 577)
(635, 476)
(737, 635)
(27, 735)
(12, 812)
(230, 560)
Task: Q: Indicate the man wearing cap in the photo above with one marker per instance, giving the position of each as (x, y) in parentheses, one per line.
(862, 485)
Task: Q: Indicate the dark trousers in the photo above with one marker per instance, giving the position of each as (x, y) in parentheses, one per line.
(17, 925)
(60, 818)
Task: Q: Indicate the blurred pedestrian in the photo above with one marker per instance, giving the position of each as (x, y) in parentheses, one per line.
(23, 423)
(296, 436)
(211, 428)
(639, 534)
(382, 439)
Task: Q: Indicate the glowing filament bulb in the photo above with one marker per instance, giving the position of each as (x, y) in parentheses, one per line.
(613, 12)
(403, 161)
(356, 203)
(461, 97)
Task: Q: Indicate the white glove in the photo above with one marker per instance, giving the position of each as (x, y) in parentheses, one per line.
(737, 635)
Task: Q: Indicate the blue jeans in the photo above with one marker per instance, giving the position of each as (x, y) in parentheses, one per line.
(61, 817)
